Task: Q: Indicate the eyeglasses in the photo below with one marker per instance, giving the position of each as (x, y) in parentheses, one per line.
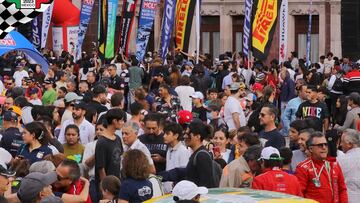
(320, 145)
(61, 178)
(9, 83)
(262, 115)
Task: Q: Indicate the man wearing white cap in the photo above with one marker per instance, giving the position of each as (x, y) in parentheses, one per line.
(198, 110)
(274, 178)
(187, 190)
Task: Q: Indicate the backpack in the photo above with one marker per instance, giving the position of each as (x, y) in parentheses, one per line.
(338, 85)
(216, 168)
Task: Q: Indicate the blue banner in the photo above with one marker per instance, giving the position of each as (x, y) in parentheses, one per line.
(110, 37)
(247, 27)
(146, 21)
(167, 26)
(85, 14)
(36, 32)
(308, 38)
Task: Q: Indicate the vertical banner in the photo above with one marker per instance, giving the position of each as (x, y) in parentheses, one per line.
(36, 32)
(283, 31)
(167, 26)
(308, 38)
(198, 16)
(46, 20)
(110, 37)
(85, 15)
(183, 21)
(58, 41)
(102, 27)
(146, 21)
(127, 18)
(247, 27)
(263, 27)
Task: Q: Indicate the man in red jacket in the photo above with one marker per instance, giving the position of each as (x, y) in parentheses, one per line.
(274, 178)
(320, 179)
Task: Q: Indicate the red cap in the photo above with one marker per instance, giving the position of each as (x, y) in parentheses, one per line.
(184, 116)
(337, 68)
(257, 87)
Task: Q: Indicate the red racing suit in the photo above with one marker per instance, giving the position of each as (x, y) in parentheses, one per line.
(277, 180)
(331, 186)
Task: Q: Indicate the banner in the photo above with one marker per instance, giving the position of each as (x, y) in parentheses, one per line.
(263, 27)
(283, 31)
(110, 37)
(127, 17)
(102, 27)
(46, 20)
(146, 21)
(167, 26)
(247, 27)
(36, 32)
(183, 21)
(308, 38)
(85, 15)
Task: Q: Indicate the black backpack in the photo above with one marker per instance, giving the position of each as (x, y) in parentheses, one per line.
(216, 168)
(338, 85)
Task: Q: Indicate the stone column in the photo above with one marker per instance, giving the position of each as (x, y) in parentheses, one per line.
(322, 30)
(335, 27)
(226, 31)
(291, 35)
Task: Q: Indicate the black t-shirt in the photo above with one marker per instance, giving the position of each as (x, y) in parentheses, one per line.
(135, 190)
(200, 113)
(316, 111)
(115, 82)
(11, 140)
(201, 173)
(273, 138)
(155, 145)
(108, 156)
(97, 106)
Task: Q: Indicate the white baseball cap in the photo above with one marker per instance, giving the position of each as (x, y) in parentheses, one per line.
(197, 95)
(187, 190)
(268, 151)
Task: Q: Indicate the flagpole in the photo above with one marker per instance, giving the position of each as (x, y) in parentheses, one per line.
(197, 30)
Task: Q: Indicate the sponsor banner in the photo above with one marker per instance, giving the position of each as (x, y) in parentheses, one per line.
(72, 39)
(46, 20)
(183, 21)
(110, 37)
(85, 15)
(102, 27)
(58, 45)
(146, 21)
(283, 30)
(65, 38)
(263, 27)
(247, 27)
(127, 18)
(167, 26)
(308, 38)
(36, 32)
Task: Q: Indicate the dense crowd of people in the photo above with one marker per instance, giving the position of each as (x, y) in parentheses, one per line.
(127, 131)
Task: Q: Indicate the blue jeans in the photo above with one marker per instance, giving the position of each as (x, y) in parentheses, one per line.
(94, 194)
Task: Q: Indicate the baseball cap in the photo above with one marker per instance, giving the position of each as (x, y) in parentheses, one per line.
(250, 97)
(80, 105)
(197, 95)
(33, 184)
(184, 116)
(188, 63)
(49, 81)
(10, 116)
(6, 173)
(16, 110)
(260, 77)
(187, 190)
(257, 87)
(159, 74)
(51, 199)
(33, 91)
(71, 96)
(268, 151)
(237, 85)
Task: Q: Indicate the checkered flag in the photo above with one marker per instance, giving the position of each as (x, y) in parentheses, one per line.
(11, 17)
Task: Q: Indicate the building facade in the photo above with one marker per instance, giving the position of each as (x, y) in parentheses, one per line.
(222, 24)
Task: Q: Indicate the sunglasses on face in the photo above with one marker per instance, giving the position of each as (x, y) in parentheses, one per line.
(61, 178)
(320, 145)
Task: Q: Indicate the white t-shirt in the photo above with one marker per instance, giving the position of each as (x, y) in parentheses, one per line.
(18, 76)
(184, 93)
(232, 105)
(88, 152)
(5, 157)
(87, 131)
(35, 101)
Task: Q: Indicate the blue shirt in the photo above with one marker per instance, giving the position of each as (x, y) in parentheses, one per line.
(35, 155)
(289, 114)
(135, 191)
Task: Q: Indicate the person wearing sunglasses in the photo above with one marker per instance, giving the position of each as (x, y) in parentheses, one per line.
(320, 179)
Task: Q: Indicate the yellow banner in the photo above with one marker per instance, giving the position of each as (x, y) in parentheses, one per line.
(183, 22)
(264, 20)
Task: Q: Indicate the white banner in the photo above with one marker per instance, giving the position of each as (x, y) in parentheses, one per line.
(46, 20)
(283, 31)
(72, 39)
(58, 44)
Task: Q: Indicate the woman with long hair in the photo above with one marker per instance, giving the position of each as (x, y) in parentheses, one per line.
(135, 187)
(35, 146)
(340, 110)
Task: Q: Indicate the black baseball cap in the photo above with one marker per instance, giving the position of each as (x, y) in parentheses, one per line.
(6, 173)
(80, 105)
(10, 116)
